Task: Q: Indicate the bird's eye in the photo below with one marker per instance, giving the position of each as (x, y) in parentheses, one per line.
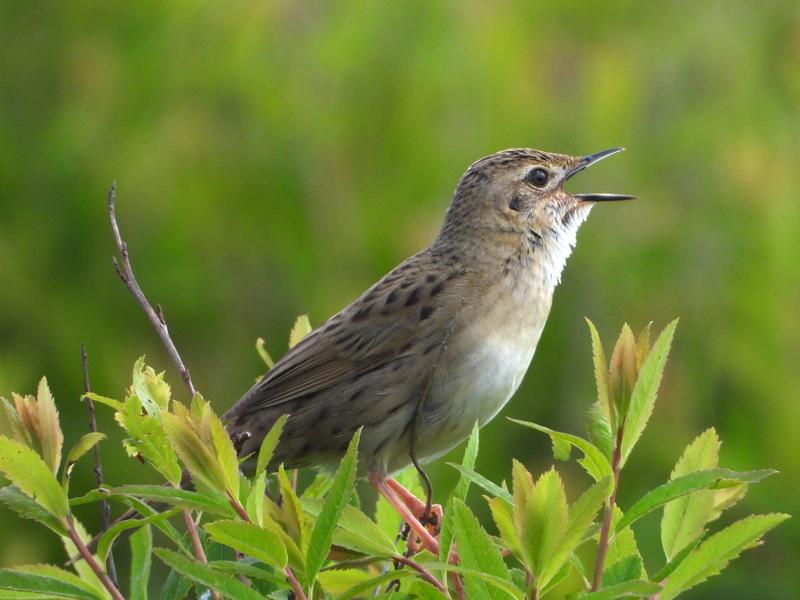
(537, 177)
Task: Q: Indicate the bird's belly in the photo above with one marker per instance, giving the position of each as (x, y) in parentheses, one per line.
(476, 390)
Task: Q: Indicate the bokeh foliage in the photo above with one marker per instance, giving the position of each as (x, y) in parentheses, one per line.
(278, 157)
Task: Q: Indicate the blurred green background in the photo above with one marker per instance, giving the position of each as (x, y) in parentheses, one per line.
(275, 158)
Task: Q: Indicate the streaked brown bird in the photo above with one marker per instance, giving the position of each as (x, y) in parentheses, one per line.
(444, 339)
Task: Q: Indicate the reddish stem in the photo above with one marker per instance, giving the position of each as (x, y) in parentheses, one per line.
(602, 548)
(299, 594)
(90, 560)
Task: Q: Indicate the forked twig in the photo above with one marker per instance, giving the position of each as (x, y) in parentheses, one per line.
(156, 316)
(105, 509)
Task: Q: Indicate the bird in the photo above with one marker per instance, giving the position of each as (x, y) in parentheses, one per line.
(441, 341)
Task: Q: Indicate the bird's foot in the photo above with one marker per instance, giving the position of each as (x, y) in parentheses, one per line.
(411, 509)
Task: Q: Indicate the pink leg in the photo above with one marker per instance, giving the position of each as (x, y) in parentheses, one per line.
(416, 505)
(384, 489)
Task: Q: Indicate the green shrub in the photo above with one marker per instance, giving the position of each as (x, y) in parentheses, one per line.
(236, 541)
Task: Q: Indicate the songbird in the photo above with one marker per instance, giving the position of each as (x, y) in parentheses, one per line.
(440, 342)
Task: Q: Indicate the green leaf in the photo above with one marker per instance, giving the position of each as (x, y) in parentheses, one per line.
(686, 484)
(83, 569)
(630, 567)
(176, 587)
(86, 443)
(714, 554)
(580, 518)
(355, 530)
(248, 570)
(468, 462)
(594, 461)
(623, 542)
(225, 453)
(262, 352)
(29, 473)
(203, 574)
(482, 482)
(599, 429)
(500, 583)
(149, 439)
(629, 589)
(422, 590)
(644, 393)
(106, 541)
(98, 399)
(544, 526)
(302, 327)
(141, 557)
(338, 496)
(365, 588)
(255, 503)
(250, 539)
(28, 508)
(446, 533)
(504, 521)
(685, 518)
(622, 371)
(601, 376)
(477, 552)
(47, 581)
(215, 505)
(293, 517)
(196, 455)
(50, 434)
(668, 568)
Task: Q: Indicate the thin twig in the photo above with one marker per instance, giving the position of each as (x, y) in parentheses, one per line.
(105, 509)
(92, 562)
(299, 594)
(602, 547)
(156, 316)
(426, 575)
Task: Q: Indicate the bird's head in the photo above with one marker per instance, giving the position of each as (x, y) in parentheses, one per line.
(521, 191)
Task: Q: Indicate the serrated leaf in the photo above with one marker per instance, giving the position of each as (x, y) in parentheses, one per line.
(594, 461)
(601, 375)
(215, 505)
(12, 424)
(106, 541)
(422, 590)
(175, 587)
(355, 530)
(684, 519)
(149, 439)
(250, 539)
(98, 399)
(141, 557)
(225, 453)
(500, 583)
(725, 498)
(623, 543)
(544, 526)
(31, 475)
(338, 496)
(301, 328)
(291, 512)
(482, 482)
(503, 517)
(579, 519)
(255, 504)
(339, 581)
(262, 352)
(628, 589)
(714, 554)
(47, 580)
(446, 533)
(50, 435)
(86, 443)
(468, 462)
(630, 567)
(644, 393)
(598, 429)
(687, 484)
(195, 454)
(477, 551)
(668, 568)
(203, 574)
(27, 508)
(643, 345)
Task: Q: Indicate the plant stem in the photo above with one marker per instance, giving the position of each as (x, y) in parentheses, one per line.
(602, 548)
(426, 575)
(238, 508)
(92, 562)
(197, 546)
(105, 509)
(299, 594)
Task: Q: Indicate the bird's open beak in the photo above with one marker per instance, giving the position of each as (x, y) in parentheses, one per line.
(588, 160)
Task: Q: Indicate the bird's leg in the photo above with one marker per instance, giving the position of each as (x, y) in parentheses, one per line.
(385, 489)
(418, 507)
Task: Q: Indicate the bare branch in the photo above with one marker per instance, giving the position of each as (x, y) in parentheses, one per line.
(156, 316)
(105, 509)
